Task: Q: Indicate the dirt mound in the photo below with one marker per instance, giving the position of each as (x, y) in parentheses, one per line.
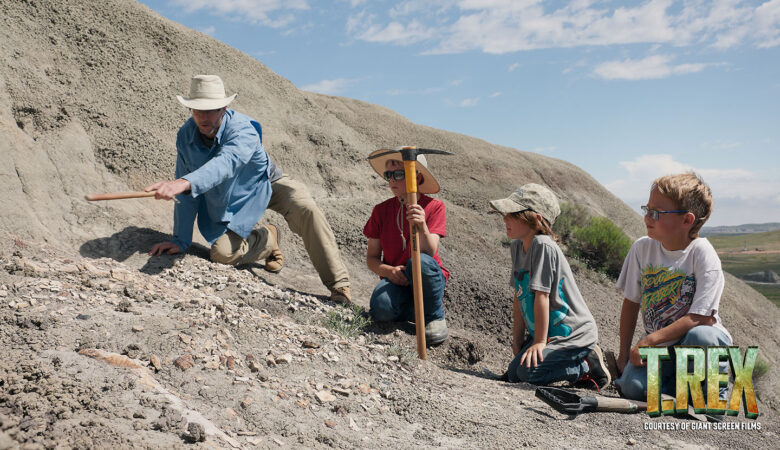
(87, 105)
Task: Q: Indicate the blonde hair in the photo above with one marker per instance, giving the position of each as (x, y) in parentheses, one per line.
(689, 192)
(540, 226)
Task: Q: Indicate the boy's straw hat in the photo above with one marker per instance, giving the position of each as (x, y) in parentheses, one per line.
(530, 196)
(206, 93)
(429, 184)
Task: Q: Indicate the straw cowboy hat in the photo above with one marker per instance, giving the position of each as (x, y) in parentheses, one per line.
(429, 184)
(206, 92)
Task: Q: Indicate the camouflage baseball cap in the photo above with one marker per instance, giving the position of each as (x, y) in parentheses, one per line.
(530, 196)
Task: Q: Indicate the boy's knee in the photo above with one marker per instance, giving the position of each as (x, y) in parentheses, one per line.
(703, 335)
(632, 388)
(381, 308)
(633, 383)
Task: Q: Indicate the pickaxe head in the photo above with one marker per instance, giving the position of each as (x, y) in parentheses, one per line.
(378, 160)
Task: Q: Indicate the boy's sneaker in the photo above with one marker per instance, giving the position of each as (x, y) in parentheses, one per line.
(435, 332)
(598, 374)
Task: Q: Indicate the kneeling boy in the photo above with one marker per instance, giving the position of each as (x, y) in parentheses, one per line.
(675, 278)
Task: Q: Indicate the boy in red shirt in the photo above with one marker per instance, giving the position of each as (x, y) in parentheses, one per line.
(389, 249)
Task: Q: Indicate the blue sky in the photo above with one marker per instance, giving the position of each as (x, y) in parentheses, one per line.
(626, 90)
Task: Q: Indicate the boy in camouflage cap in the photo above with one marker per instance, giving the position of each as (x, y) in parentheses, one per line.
(560, 344)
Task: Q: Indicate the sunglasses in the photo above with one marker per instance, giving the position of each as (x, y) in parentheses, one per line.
(398, 175)
(655, 215)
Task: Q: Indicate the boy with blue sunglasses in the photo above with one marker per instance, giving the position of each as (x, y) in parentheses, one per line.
(674, 277)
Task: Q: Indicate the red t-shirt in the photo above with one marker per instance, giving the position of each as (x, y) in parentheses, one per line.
(384, 225)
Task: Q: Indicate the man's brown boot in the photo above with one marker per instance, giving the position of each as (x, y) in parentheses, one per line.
(340, 295)
(274, 261)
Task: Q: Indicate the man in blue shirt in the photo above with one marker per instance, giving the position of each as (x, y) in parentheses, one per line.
(222, 161)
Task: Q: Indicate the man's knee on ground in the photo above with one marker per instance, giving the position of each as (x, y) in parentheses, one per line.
(222, 251)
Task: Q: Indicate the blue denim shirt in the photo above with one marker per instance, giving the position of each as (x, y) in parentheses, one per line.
(229, 180)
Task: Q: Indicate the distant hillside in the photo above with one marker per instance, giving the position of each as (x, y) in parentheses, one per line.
(740, 229)
(766, 241)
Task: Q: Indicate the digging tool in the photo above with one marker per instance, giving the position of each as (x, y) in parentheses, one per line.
(117, 195)
(409, 157)
(571, 403)
(121, 195)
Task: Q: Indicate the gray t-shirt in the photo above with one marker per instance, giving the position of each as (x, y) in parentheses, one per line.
(544, 268)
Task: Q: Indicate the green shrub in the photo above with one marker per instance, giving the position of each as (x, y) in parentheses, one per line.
(571, 218)
(602, 245)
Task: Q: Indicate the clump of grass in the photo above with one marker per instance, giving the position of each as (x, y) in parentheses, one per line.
(404, 354)
(348, 321)
(762, 368)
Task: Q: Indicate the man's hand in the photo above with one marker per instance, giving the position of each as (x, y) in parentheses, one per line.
(167, 190)
(533, 354)
(396, 276)
(168, 248)
(415, 214)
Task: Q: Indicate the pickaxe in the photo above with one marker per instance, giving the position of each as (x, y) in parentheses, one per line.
(409, 157)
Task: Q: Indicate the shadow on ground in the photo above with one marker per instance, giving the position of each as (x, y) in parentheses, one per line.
(133, 241)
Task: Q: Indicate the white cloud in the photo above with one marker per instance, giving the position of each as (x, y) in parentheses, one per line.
(210, 30)
(496, 94)
(504, 26)
(426, 91)
(652, 67)
(514, 66)
(363, 27)
(329, 87)
(469, 102)
(735, 187)
(272, 13)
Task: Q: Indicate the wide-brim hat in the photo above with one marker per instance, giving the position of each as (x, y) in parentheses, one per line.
(429, 184)
(530, 196)
(207, 92)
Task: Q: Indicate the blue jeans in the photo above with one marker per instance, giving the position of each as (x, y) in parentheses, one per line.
(557, 365)
(633, 382)
(393, 303)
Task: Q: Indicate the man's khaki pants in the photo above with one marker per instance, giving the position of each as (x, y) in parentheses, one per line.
(292, 200)
(232, 249)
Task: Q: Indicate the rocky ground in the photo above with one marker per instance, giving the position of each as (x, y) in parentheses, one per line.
(99, 354)
(103, 346)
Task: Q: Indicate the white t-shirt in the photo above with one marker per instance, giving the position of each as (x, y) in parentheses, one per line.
(670, 284)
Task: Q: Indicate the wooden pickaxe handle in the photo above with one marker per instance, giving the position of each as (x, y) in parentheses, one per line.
(118, 195)
(410, 174)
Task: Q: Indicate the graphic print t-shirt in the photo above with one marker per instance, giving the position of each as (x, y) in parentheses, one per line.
(544, 268)
(670, 284)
